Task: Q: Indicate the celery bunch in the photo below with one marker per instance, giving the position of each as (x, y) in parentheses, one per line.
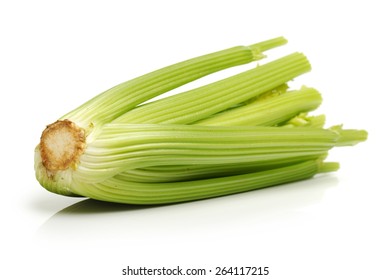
(241, 133)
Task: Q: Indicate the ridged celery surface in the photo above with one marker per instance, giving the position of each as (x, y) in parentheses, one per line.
(244, 132)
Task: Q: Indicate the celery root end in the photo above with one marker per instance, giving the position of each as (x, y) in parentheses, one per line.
(62, 143)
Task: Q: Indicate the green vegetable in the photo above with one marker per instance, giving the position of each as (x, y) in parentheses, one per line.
(244, 132)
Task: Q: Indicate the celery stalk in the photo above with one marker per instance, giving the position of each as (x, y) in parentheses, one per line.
(125, 96)
(304, 120)
(241, 133)
(122, 147)
(269, 111)
(119, 189)
(189, 107)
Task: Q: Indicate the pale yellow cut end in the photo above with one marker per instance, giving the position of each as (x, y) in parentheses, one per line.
(62, 144)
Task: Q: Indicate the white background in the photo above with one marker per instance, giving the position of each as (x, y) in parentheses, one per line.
(57, 54)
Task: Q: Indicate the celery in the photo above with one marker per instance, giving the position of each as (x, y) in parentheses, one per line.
(304, 120)
(119, 189)
(122, 147)
(241, 133)
(189, 107)
(270, 111)
(116, 101)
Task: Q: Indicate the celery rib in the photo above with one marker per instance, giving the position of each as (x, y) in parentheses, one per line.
(125, 96)
(139, 146)
(303, 120)
(166, 174)
(268, 112)
(189, 107)
(123, 191)
(349, 137)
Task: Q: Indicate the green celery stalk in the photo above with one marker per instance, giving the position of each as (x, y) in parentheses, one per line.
(123, 147)
(304, 120)
(200, 103)
(114, 102)
(119, 189)
(241, 133)
(269, 111)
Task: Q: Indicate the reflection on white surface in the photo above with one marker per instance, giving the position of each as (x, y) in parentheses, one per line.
(229, 215)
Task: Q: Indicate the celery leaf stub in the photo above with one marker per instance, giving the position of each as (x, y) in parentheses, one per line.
(244, 132)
